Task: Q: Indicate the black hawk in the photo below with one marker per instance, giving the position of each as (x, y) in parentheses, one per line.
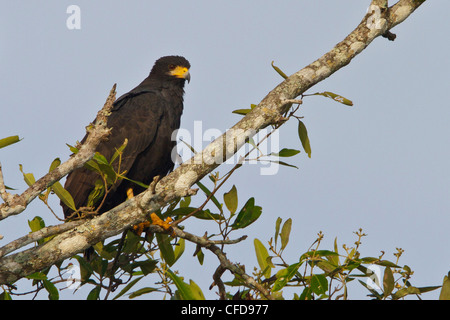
(147, 117)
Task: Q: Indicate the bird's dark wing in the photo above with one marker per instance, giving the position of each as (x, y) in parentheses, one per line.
(137, 116)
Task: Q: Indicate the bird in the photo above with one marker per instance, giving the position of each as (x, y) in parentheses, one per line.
(146, 116)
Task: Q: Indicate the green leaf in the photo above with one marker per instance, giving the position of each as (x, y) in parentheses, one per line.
(8, 141)
(369, 259)
(242, 112)
(329, 267)
(53, 293)
(147, 266)
(184, 289)
(86, 269)
(108, 171)
(404, 292)
(100, 266)
(105, 254)
(286, 153)
(202, 214)
(334, 259)
(318, 253)
(277, 229)
(142, 291)
(445, 291)
(386, 263)
(261, 255)
(100, 158)
(208, 193)
(281, 73)
(73, 149)
(166, 249)
(63, 195)
(284, 164)
(388, 282)
(303, 135)
(372, 291)
(94, 294)
(236, 282)
(285, 231)
(231, 200)
(306, 294)
(284, 275)
(55, 163)
(200, 256)
(96, 194)
(179, 249)
(28, 177)
(269, 261)
(251, 142)
(196, 291)
(319, 284)
(428, 289)
(92, 165)
(119, 151)
(335, 97)
(37, 276)
(127, 287)
(189, 146)
(36, 224)
(5, 296)
(248, 214)
(208, 215)
(185, 202)
(143, 185)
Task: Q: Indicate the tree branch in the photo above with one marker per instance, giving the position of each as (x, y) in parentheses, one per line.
(6, 196)
(224, 262)
(17, 204)
(38, 235)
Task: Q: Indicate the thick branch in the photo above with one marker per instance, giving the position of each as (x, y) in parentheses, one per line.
(402, 10)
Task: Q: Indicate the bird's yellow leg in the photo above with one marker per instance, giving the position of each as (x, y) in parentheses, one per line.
(139, 228)
(165, 224)
(130, 193)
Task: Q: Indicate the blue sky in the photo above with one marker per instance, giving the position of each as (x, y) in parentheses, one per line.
(381, 165)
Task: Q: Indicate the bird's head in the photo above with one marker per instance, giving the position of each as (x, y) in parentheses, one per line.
(172, 67)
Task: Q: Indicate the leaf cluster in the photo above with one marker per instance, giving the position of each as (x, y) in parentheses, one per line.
(326, 274)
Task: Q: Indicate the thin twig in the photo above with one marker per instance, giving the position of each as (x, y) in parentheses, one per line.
(6, 196)
(218, 282)
(114, 264)
(224, 262)
(175, 223)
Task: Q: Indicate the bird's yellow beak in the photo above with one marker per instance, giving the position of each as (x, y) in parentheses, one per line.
(181, 72)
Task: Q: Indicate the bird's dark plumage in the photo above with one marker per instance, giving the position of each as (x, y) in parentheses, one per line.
(147, 117)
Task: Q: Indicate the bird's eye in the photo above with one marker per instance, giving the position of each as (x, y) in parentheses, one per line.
(171, 66)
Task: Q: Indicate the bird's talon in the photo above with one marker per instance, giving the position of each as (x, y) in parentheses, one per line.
(139, 228)
(130, 193)
(165, 224)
